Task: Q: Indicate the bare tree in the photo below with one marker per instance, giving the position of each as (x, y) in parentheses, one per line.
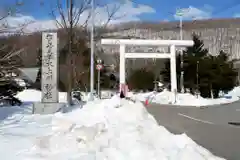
(70, 13)
(9, 53)
(116, 58)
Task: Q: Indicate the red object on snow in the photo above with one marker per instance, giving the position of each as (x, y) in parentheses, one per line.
(146, 102)
(123, 88)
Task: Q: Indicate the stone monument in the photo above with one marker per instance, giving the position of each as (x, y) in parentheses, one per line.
(49, 77)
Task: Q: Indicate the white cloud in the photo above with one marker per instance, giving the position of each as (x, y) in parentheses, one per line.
(165, 20)
(237, 15)
(126, 12)
(195, 13)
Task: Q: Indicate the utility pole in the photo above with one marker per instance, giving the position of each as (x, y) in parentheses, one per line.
(92, 52)
(180, 13)
(182, 64)
(70, 61)
(197, 76)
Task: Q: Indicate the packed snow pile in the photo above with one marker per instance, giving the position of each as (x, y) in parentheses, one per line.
(185, 99)
(32, 95)
(107, 94)
(103, 130)
(235, 92)
(20, 82)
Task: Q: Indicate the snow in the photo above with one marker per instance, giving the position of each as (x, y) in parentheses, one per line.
(186, 99)
(101, 130)
(235, 92)
(35, 96)
(164, 97)
(20, 82)
(29, 96)
(107, 94)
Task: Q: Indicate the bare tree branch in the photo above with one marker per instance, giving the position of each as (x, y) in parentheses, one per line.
(61, 12)
(3, 17)
(13, 53)
(8, 53)
(81, 9)
(8, 12)
(59, 24)
(70, 17)
(85, 24)
(62, 17)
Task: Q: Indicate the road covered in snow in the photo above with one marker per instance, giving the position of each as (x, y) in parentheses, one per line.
(212, 127)
(102, 129)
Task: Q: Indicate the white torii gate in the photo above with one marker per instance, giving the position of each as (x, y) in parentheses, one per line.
(143, 42)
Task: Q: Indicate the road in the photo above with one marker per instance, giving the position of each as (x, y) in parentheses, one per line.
(208, 126)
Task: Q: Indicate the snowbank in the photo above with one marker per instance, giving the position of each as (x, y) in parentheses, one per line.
(186, 99)
(101, 130)
(31, 95)
(235, 92)
(20, 82)
(107, 94)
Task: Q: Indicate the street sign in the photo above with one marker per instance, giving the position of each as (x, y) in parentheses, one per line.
(99, 66)
(181, 11)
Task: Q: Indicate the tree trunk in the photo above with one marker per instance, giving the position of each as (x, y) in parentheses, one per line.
(69, 91)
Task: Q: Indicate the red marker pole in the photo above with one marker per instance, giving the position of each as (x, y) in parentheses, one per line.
(99, 67)
(146, 102)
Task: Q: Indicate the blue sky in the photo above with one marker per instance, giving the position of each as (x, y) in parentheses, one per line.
(215, 8)
(155, 10)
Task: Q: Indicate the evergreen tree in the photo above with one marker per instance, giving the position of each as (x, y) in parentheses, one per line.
(8, 85)
(215, 73)
(141, 79)
(191, 56)
(8, 89)
(39, 64)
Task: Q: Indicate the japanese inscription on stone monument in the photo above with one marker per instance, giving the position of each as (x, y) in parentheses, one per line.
(49, 68)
